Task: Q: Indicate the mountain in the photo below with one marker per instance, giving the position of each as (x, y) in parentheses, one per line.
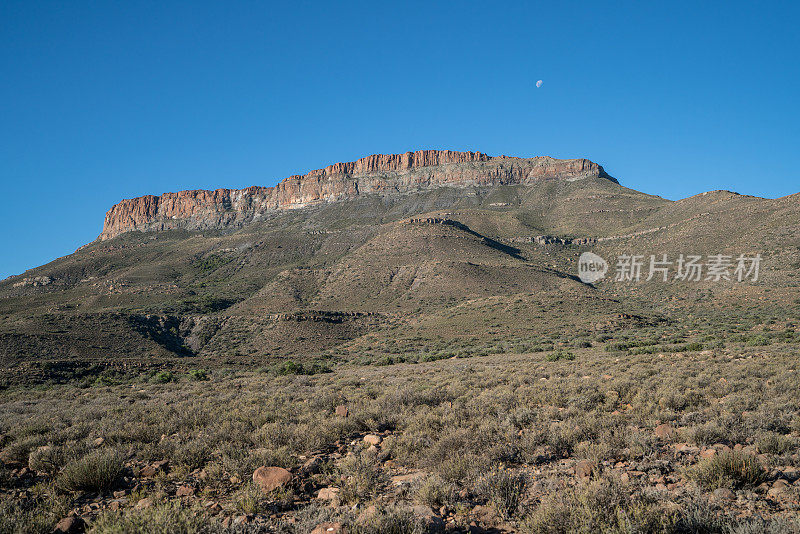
(379, 174)
(389, 254)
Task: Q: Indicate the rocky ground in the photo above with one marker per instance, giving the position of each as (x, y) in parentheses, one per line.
(574, 440)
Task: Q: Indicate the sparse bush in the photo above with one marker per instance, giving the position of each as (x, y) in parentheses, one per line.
(97, 471)
(774, 443)
(503, 490)
(294, 368)
(249, 499)
(435, 492)
(728, 469)
(161, 519)
(603, 505)
(194, 453)
(363, 477)
(390, 520)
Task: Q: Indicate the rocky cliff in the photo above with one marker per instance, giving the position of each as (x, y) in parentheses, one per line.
(377, 174)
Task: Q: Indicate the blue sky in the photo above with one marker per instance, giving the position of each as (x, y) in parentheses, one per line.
(101, 101)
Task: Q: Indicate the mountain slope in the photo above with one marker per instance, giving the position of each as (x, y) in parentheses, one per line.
(426, 247)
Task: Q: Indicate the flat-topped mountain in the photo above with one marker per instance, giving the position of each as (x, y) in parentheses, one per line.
(427, 247)
(378, 174)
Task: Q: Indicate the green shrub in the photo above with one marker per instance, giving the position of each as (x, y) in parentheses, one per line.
(560, 354)
(97, 471)
(758, 341)
(162, 377)
(293, 368)
(728, 469)
(198, 374)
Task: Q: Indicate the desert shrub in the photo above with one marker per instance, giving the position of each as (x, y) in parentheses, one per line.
(434, 491)
(774, 443)
(603, 505)
(460, 467)
(43, 508)
(709, 434)
(293, 368)
(308, 517)
(198, 374)
(19, 450)
(389, 520)
(249, 499)
(162, 377)
(758, 340)
(46, 459)
(363, 477)
(161, 519)
(193, 453)
(560, 354)
(693, 347)
(728, 469)
(96, 471)
(503, 490)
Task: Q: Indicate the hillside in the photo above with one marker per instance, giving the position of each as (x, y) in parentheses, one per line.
(386, 242)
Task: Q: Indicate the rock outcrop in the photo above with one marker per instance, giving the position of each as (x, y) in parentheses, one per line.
(377, 174)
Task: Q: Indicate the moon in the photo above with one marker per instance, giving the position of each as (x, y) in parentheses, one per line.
(539, 84)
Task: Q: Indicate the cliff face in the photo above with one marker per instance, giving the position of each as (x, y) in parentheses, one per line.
(377, 174)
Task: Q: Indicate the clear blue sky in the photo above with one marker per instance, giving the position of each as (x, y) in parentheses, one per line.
(101, 101)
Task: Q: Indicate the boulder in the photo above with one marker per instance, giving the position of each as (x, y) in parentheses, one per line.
(584, 468)
(724, 494)
(329, 494)
(664, 431)
(154, 468)
(69, 525)
(329, 528)
(271, 478)
(373, 439)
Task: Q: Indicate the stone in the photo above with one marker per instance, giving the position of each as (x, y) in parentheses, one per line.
(664, 431)
(271, 478)
(791, 474)
(312, 465)
(329, 494)
(485, 515)
(342, 411)
(69, 525)
(99, 442)
(708, 453)
(373, 439)
(184, 491)
(329, 528)
(584, 468)
(154, 468)
(144, 504)
(724, 494)
(779, 492)
(433, 523)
